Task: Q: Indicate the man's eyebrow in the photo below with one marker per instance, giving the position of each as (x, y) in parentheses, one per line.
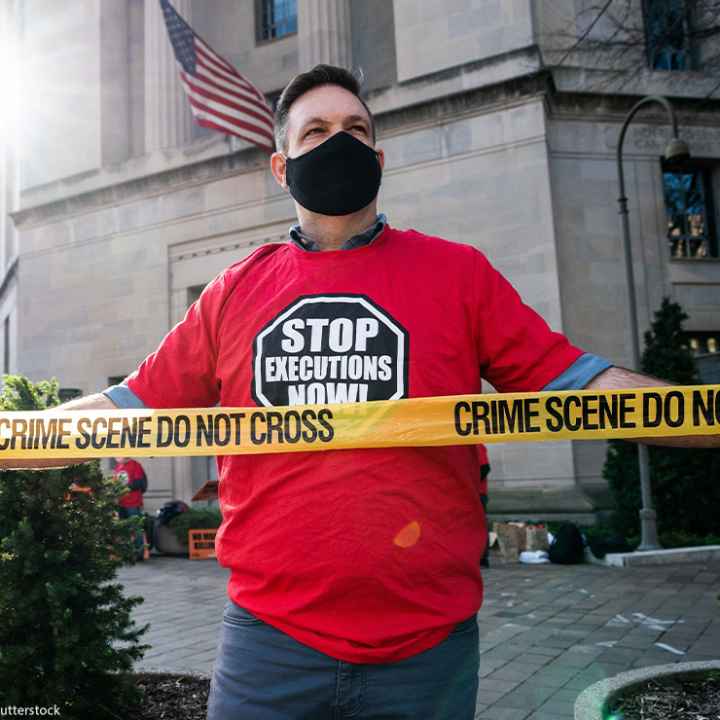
(324, 121)
(310, 121)
(356, 118)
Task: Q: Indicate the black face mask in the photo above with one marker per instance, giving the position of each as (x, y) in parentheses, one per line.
(338, 177)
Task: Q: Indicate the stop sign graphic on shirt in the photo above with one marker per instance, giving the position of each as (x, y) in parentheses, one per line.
(330, 349)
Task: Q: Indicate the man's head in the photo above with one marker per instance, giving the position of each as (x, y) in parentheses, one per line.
(332, 81)
(325, 137)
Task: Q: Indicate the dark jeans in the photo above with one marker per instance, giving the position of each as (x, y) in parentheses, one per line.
(127, 512)
(263, 674)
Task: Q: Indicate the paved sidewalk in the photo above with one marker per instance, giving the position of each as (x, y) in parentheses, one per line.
(546, 632)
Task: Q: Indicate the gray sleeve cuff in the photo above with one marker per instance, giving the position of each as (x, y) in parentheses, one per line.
(580, 373)
(123, 397)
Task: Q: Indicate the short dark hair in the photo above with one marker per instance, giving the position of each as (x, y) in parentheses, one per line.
(302, 83)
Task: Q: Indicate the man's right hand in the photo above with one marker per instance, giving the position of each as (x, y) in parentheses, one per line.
(97, 401)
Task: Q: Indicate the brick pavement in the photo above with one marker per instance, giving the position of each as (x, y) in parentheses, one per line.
(546, 632)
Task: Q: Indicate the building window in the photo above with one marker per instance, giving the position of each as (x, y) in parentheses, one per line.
(193, 294)
(667, 34)
(275, 18)
(690, 212)
(703, 342)
(705, 347)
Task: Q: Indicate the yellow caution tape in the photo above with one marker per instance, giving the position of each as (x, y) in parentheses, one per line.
(453, 420)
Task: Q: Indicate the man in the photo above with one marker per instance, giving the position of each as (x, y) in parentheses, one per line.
(130, 504)
(355, 575)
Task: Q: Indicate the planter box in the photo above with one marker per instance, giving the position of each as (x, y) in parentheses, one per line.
(592, 704)
(166, 541)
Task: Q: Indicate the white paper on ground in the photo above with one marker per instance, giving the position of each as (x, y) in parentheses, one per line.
(534, 557)
(670, 648)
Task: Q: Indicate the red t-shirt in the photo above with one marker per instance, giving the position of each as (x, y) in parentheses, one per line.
(368, 555)
(127, 472)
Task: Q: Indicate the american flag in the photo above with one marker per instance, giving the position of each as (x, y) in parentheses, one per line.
(220, 97)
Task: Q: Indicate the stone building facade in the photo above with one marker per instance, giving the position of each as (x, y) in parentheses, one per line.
(494, 135)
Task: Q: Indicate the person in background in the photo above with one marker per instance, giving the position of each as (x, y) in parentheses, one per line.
(483, 491)
(131, 503)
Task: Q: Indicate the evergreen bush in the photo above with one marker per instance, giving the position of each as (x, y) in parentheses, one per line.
(66, 636)
(194, 519)
(685, 481)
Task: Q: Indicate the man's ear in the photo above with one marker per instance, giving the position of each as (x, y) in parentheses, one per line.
(381, 157)
(278, 166)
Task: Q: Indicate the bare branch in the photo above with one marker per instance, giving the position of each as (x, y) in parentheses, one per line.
(587, 32)
(617, 48)
(713, 91)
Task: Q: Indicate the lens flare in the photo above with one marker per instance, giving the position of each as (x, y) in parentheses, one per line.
(409, 535)
(9, 84)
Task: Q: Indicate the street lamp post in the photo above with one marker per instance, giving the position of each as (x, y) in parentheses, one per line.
(675, 150)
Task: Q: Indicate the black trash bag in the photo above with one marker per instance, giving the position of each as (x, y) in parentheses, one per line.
(601, 546)
(169, 510)
(568, 547)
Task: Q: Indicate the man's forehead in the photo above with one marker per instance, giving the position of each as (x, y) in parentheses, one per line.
(327, 103)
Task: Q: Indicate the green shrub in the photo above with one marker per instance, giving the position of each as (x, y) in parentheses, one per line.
(66, 636)
(685, 482)
(194, 519)
(678, 538)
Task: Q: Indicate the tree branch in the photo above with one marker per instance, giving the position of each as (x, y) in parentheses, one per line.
(587, 31)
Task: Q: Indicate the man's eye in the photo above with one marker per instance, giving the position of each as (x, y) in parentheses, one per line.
(313, 130)
(361, 128)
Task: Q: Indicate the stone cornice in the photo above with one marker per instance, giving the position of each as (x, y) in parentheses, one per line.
(613, 108)
(433, 110)
(216, 168)
(251, 160)
(468, 102)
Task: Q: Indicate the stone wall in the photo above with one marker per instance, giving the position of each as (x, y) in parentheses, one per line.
(60, 133)
(433, 36)
(372, 25)
(229, 27)
(591, 267)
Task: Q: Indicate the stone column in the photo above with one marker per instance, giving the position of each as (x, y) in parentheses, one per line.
(324, 33)
(168, 121)
(9, 139)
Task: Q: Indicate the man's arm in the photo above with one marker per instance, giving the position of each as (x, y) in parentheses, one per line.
(180, 373)
(140, 481)
(97, 401)
(617, 378)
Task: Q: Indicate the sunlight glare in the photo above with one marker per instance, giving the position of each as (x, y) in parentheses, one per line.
(9, 85)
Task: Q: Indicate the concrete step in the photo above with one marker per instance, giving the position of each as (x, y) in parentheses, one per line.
(703, 554)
